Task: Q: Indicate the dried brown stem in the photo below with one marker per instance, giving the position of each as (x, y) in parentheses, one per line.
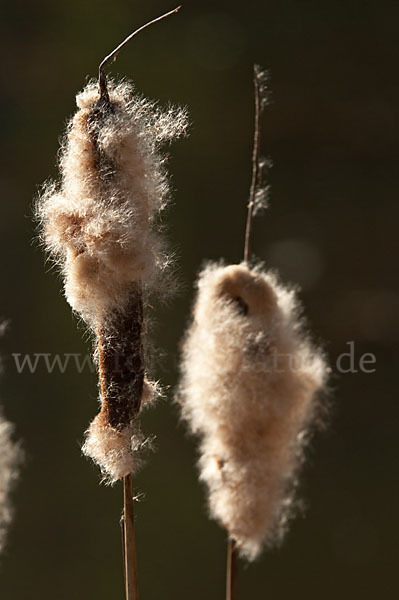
(231, 571)
(255, 165)
(130, 557)
(122, 526)
(102, 80)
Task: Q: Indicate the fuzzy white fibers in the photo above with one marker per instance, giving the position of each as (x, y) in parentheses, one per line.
(98, 222)
(119, 452)
(250, 378)
(10, 456)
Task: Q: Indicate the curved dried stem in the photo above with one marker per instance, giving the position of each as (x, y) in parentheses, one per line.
(102, 80)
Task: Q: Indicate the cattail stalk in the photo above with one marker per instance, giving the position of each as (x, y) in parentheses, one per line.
(232, 571)
(249, 389)
(129, 540)
(121, 372)
(255, 164)
(99, 224)
(232, 553)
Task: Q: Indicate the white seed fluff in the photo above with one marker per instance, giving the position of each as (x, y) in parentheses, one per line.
(250, 378)
(119, 452)
(9, 468)
(98, 222)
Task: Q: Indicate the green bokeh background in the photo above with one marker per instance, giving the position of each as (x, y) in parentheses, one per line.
(332, 227)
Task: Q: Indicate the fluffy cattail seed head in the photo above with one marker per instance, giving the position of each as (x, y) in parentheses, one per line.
(250, 378)
(99, 221)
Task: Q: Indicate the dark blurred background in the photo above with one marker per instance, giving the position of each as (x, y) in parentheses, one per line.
(332, 227)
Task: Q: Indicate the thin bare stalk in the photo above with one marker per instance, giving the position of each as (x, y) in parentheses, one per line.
(130, 556)
(231, 571)
(122, 526)
(102, 81)
(255, 165)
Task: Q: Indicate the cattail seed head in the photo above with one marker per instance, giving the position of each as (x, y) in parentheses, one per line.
(250, 378)
(99, 222)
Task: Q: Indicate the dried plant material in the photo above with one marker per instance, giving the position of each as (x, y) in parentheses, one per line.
(260, 189)
(262, 77)
(10, 457)
(119, 450)
(118, 453)
(100, 225)
(250, 378)
(10, 461)
(114, 440)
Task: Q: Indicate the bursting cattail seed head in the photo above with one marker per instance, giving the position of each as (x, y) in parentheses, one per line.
(99, 222)
(250, 378)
